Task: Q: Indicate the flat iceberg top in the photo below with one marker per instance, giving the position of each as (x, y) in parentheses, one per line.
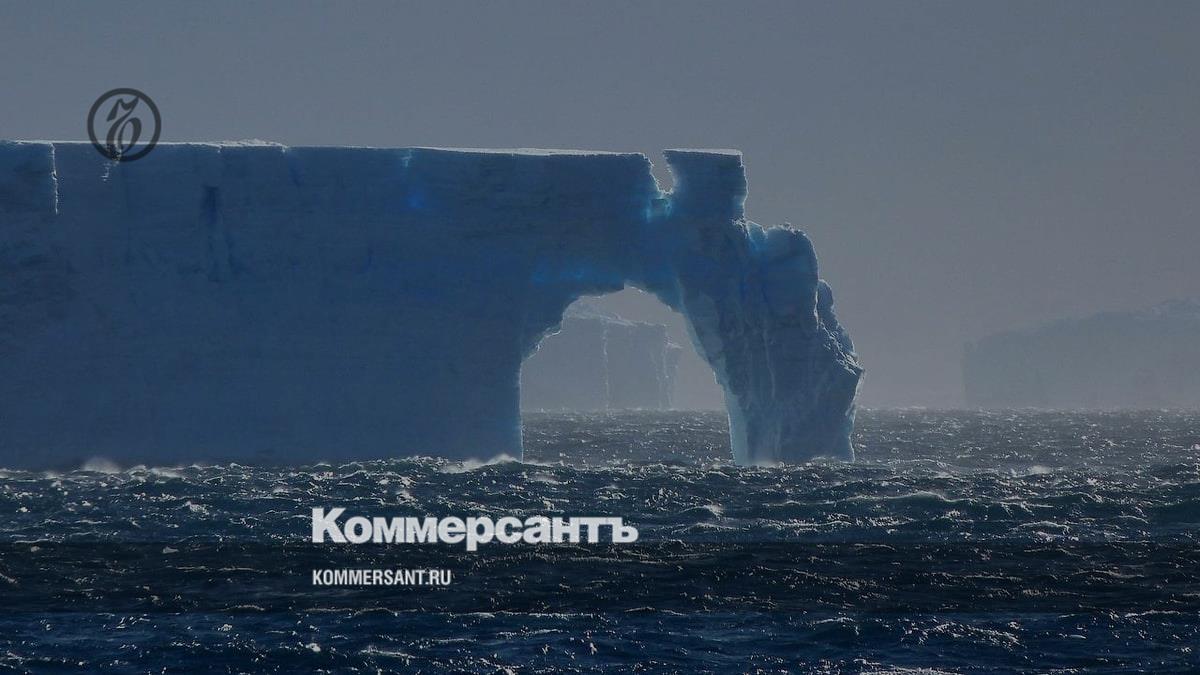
(525, 151)
(706, 151)
(534, 152)
(445, 185)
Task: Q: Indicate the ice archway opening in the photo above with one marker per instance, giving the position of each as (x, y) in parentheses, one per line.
(619, 352)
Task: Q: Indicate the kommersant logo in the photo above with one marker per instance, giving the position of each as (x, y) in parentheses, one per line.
(473, 531)
(124, 124)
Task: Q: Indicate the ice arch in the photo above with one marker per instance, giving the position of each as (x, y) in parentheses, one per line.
(258, 302)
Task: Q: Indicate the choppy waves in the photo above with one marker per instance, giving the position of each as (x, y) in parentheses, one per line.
(960, 540)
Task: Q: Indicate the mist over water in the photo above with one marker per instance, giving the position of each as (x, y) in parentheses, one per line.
(1023, 540)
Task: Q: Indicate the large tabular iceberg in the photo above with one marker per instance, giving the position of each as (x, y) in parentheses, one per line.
(1140, 359)
(263, 303)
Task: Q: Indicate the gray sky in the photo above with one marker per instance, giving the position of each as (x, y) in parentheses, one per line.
(962, 167)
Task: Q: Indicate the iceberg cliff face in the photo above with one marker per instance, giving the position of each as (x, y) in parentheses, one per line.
(273, 304)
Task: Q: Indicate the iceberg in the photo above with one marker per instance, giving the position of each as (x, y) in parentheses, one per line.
(1112, 360)
(261, 303)
(600, 361)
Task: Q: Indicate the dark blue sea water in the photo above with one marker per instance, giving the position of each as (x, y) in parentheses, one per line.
(960, 542)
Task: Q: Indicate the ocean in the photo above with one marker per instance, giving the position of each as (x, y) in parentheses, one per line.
(958, 542)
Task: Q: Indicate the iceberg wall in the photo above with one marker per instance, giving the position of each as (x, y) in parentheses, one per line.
(1141, 359)
(229, 302)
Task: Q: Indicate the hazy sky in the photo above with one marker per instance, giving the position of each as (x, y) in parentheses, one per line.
(962, 167)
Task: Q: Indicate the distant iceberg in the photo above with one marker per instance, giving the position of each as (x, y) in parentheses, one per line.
(600, 361)
(1143, 359)
(260, 303)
